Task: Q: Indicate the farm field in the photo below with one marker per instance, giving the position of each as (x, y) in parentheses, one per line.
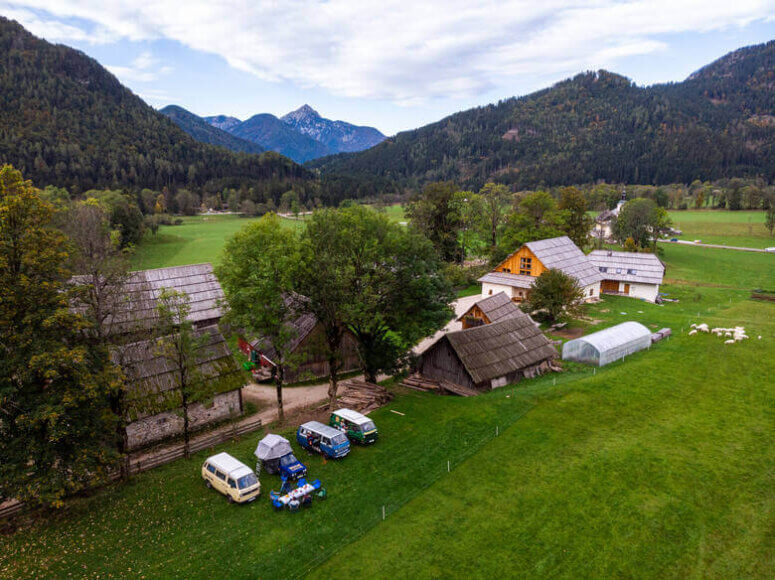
(660, 465)
(730, 228)
(200, 239)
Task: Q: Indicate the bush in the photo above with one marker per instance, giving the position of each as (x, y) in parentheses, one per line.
(460, 276)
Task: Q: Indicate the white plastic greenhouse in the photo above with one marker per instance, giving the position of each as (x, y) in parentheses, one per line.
(601, 348)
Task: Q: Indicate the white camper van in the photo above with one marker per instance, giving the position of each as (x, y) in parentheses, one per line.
(231, 477)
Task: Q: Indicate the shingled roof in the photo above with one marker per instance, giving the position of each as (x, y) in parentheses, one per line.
(628, 266)
(562, 254)
(143, 287)
(494, 350)
(508, 279)
(151, 377)
(496, 307)
(301, 324)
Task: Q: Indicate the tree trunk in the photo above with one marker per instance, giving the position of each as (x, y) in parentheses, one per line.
(279, 377)
(333, 379)
(186, 438)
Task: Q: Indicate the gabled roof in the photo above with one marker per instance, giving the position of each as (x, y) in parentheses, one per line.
(148, 374)
(562, 254)
(494, 350)
(301, 324)
(143, 287)
(496, 307)
(628, 266)
(508, 279)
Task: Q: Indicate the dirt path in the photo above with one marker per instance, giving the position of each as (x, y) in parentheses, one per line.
(701, 245)
(294, 398)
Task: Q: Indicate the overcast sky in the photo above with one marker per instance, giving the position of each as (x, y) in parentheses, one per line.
(394, 65)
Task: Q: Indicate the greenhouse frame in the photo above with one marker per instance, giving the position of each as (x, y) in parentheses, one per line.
(609, 345)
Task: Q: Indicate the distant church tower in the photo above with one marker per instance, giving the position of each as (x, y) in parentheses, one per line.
(621, 202)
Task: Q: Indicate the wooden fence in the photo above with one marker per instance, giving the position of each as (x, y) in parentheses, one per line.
(146, 461)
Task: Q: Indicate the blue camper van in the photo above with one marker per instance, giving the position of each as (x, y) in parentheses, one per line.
(275, 455)
(320, 438)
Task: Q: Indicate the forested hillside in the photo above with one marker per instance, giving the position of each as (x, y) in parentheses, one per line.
(596, 126)
(204, 132)
(66, 121)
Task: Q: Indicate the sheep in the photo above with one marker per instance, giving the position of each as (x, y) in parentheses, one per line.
(692, 332)
(728, 334)
(729, 342)
(694, 325)
(703, 327)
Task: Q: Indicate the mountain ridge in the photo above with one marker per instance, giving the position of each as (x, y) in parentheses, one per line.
(594, 126)
(205, 132)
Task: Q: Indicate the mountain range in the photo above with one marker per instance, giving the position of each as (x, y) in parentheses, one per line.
(66, 121)
(301, 135)
(719, 122)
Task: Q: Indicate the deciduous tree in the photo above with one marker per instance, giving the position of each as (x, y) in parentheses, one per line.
(557, 294)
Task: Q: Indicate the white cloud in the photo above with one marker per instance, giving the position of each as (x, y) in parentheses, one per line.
(400, 50)
(144, 69)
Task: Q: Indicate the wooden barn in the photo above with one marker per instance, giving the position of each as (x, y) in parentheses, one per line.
(490, 355)
(488, 310)
(308, 358)
(152, 396)
(152, 406)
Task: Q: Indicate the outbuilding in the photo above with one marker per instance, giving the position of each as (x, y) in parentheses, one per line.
(489, 356)
(609, 345)
(488, 310)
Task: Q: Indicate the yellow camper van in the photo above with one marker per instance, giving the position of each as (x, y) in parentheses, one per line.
(231, 477)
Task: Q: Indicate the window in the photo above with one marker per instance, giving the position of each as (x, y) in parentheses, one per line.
(603, 269)
(248, 480)
(210, 468)
(232, 483)
(525, 266)
(591, 291)
(219, 475)
(632, 272)
(507, 270)
(618, 270)
(490, 293)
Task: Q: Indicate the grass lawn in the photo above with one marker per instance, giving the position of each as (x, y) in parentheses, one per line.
(660, 465)
(199, 239)
(730, 228)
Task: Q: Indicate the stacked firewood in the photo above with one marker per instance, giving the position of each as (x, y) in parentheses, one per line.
(418, 383)
(362, 396)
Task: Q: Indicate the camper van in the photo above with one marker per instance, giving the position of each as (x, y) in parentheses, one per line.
(330, 442)
(275, 455)
(231, 477)
(357, 427)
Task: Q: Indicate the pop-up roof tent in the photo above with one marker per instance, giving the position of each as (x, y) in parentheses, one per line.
(605, 346)
(273, 447)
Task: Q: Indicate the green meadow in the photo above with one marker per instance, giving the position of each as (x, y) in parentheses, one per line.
(729, 228)
(657, 466)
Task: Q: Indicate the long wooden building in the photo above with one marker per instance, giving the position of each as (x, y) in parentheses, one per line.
(490, 355)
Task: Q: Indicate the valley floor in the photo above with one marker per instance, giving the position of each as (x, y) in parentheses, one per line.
(656, 466)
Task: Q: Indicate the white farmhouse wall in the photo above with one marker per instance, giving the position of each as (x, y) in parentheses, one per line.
(592, 292)
(645, 291)
(168, 424)
(490, 289)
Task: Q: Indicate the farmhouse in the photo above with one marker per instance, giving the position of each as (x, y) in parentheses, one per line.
(491, 309)
(629, 274)
(307, 358)
(517, 273)
(490, 355)
(608, 345)
(151, 397)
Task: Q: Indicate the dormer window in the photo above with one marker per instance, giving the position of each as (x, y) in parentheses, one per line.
(603, 269)
(632, 272)
(618, 270)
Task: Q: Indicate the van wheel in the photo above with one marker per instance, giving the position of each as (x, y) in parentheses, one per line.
(208, 484)
(231, 499)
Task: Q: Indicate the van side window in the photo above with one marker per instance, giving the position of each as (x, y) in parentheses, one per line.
(219, 475)
(210, 468)
(232, 484)
(325, 441)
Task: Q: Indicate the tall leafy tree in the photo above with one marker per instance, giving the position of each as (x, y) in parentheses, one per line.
(180, 345)
(494, 204)
(556, 294)
(435, 213)
(642, 220)
(578, 224)
(257, 273)
(536, 217)
(55, 425)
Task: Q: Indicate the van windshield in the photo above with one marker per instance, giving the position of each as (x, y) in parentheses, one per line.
(367, 426)
(248, 480)
(339, 439)
(288, 460)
